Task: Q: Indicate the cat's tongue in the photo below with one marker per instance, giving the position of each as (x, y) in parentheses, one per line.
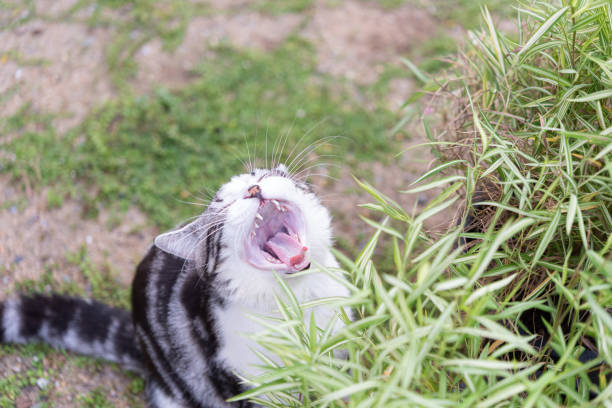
(288, 249)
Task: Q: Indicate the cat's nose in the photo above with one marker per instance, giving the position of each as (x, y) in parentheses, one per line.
(254, 192)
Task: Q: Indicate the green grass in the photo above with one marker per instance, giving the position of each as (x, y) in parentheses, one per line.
(289, 6)
(524, 129)
(12, 383)
(134, 150)
(95, 399)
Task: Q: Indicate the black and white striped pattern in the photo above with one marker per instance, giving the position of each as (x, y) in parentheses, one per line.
(86, 327)
(173, 312)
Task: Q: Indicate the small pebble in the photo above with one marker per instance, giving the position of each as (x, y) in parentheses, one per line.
(18, 74)
(422, 200)
(18, 259)
(88, 239)
(32, 219)
(16, 369)
(13, 209)
(42, 383)
(145, 50)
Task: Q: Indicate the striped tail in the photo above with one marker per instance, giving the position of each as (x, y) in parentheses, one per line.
(86, 327)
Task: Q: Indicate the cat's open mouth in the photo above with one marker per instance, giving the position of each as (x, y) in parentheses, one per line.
(275, 239)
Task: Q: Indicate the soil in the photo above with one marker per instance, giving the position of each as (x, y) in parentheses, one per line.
(34, 238)
(60, 67)
(355, 38)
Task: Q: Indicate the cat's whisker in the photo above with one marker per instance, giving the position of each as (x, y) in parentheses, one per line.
(250, 167)
(315, 160)
(287, 134)
(237, 156)
(266, 156)
(302, 138)
(295, 163)
(322, 175)
(197, 204)
(304, 171)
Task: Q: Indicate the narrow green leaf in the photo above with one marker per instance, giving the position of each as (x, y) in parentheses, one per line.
(437, 169)
(547, 237)
(595, 96)
(492, 287)
(413, 68)
(571, 213)
(434, 184)
(544, 28)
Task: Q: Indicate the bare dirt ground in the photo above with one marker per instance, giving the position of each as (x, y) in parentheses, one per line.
(35, 237)
(352, 39)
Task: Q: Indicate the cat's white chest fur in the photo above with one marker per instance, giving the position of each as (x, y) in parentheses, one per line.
(236, 324)
(235, 327)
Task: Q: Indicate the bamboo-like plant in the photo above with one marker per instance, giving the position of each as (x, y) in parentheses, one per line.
(513, 306)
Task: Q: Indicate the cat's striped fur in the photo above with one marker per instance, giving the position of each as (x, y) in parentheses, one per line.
(87, 327)
(194, 291)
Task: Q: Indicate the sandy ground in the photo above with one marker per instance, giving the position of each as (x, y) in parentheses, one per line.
(60, 67)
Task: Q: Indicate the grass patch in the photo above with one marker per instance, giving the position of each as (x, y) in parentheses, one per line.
(134, 150)
(289, 6)
(12, 384)
(95, 399)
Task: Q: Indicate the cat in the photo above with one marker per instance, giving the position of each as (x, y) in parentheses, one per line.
(194, 291)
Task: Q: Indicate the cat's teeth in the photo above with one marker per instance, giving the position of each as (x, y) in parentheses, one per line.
(253, 234)
(276, 204)
(259, 217)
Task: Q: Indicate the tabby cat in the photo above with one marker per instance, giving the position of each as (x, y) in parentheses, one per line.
(194, 291)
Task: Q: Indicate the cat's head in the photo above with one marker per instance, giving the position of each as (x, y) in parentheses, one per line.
(257, 223)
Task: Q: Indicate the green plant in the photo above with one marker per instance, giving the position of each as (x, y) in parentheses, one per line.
(514, 307)
(104, 287)
(95, 399)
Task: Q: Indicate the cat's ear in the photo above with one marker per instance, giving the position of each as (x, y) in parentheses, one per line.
(181, 242)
